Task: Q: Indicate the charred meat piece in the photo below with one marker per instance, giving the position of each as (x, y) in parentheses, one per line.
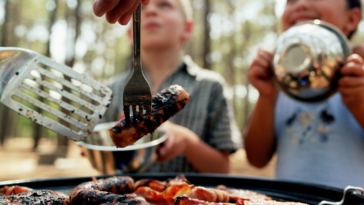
(116, 185)
(94, 197)
(35, 197)
(165, 104)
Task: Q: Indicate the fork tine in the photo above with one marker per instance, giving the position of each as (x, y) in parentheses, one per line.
(134, 112)
(148, 110)
(141, 109)
(127, 113)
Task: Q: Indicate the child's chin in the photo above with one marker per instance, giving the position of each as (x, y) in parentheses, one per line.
(154, 44)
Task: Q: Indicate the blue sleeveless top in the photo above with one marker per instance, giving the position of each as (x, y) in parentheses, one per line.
(319, 143)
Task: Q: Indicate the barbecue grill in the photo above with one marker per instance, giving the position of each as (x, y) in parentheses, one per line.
(279, 190)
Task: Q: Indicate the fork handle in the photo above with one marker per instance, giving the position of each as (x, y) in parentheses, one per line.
(136, 38)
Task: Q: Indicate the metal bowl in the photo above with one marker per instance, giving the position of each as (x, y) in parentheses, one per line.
(307, 59)
(108, 159)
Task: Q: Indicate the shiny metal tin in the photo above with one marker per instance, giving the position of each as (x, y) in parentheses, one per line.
(307, 59)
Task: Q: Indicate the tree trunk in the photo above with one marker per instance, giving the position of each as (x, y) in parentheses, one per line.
(247, 35)
(207, 39)
(6, 117)
(37, 134)
(62, 140)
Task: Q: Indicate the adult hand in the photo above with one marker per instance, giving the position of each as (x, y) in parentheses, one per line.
(117, 10)
(178, 139)
(351, 85)
(260, 74)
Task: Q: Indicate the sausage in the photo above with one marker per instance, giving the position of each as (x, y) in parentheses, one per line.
(96, 197)
(165, 104)
(116, 185)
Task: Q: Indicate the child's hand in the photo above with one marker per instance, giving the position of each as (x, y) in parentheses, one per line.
(351, 85)
(177, 141)
(260, 74)
(117, 10)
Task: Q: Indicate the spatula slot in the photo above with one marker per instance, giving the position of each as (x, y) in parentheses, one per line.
(53, 104)
(75, 82)
(83, 91)
(63, 101)
(30, 114)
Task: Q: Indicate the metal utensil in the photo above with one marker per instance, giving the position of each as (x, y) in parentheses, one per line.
(108, 159)
(71, 103)
(307, 59)
(137, 90)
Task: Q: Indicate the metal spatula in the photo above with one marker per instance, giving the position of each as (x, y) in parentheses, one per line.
(71, 104)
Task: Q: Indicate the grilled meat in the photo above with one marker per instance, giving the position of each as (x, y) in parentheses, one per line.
(95, 197)
(10, 190)
(165, 104)
(34, 197)
(186, 200)
(209, 194)
(247, 195)
(116, 185)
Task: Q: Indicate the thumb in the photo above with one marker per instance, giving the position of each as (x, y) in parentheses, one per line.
(145, 2)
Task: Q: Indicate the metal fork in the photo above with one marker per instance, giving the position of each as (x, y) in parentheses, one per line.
(137, 90)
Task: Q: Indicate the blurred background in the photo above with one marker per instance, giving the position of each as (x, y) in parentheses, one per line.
(226, 38)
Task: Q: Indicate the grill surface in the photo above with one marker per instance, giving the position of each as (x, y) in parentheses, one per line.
(277, 189)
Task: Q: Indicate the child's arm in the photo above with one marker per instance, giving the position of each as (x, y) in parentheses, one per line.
(117, 10)
(203, 157)
(351, 86)
(259, 137)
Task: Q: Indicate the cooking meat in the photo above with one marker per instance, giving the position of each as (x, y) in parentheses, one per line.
(178, 180)
(10, 190)
(151, 183)
(186, 200)
(161, 185)
(236, 194)
(35, 197)
(96, 197)
(116, 185)
(165, 104)
(104, 190)
(167, 196)
(271, 202)
(209, 194)
(123, 191)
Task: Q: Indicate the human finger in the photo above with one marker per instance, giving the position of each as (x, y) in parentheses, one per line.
(352, 68)
(122, 8)
(145, 2)
(165, 149)
(266, 55)
(260, 61)
(100, 7)
(349, 81)
(355, 58)
(258, 72)
(351, 91)
(126, 17)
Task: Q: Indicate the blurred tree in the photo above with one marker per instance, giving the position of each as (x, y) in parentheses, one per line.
(52, 19)
(7, 118)
(206, 38)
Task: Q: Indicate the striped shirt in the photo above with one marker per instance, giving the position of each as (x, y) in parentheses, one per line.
(208, 113)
